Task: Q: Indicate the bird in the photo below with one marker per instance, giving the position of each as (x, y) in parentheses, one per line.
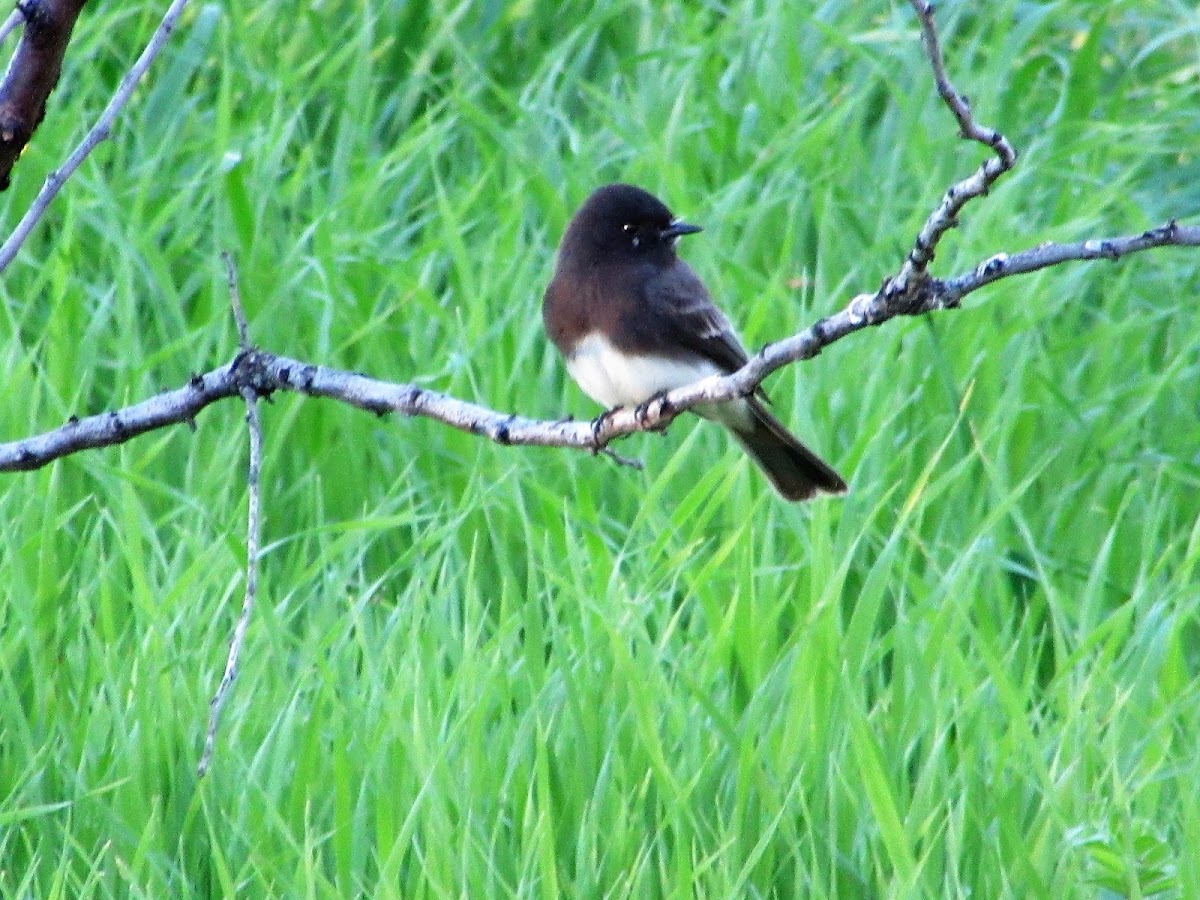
(633, 321)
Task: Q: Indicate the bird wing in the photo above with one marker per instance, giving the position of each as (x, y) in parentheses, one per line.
(692, 321)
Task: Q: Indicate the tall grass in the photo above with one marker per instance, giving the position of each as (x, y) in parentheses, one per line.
(486, 672)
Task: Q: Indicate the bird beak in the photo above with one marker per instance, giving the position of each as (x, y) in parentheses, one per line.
(679, 229)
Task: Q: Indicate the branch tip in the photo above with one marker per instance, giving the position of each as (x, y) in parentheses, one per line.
(235, 300)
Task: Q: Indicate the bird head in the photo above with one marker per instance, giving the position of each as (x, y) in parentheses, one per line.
(626, 221)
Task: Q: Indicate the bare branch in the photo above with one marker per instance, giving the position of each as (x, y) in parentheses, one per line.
(32, 74)
(913, 291)
(253, 536)
(264, 373)
(118, 426)
(1003, 266)
(98, 133)
(945, 215)
(235, 300)
(623, 460)
(253, 528)
(15, 18)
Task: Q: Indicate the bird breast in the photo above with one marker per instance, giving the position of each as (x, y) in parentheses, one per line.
(613, 378)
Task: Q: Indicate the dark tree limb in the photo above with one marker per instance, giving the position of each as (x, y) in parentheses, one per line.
(14, 19)
(32, 74)
(99, 132)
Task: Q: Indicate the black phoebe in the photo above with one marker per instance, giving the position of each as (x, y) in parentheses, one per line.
(633, 320)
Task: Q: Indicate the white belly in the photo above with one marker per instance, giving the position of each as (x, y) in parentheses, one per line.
(612, 378)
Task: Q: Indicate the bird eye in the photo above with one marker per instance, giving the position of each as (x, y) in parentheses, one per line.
(627, 227)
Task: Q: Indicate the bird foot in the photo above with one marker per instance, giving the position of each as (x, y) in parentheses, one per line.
(641, 412)
(598, 424)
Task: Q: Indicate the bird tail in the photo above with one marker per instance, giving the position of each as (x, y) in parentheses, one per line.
(795, 471)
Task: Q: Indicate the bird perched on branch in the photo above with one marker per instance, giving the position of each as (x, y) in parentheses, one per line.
(633, 321)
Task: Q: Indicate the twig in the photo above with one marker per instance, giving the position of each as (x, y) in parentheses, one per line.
(253, 528)
(253, 533)
(265, 372)
(1003, 266)
(620, 460)
(945, 215)
(15, 18)
(99, 132)
(235, 300)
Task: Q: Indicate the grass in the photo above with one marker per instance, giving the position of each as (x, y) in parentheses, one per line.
(486, 672)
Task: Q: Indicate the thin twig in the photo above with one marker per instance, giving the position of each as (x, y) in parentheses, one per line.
(1050, 254)
(15, 18)
(265, 372)
(945, 215)
(253, 534)
(99, 132)
(621, 460)
(235, 300)
(253, 528)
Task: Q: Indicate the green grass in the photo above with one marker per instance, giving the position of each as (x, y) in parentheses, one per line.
(478, 671)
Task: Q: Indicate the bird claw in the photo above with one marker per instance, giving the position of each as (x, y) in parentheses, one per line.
(598, 424)
(641, 412)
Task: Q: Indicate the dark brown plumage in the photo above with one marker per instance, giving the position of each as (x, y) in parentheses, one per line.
(633, 320)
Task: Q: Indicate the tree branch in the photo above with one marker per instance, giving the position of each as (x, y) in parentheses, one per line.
(99, 132)
(1050, 254)
(118, 426)
(945, 215)
(253, 532)
(912, 291)
(264, 373)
